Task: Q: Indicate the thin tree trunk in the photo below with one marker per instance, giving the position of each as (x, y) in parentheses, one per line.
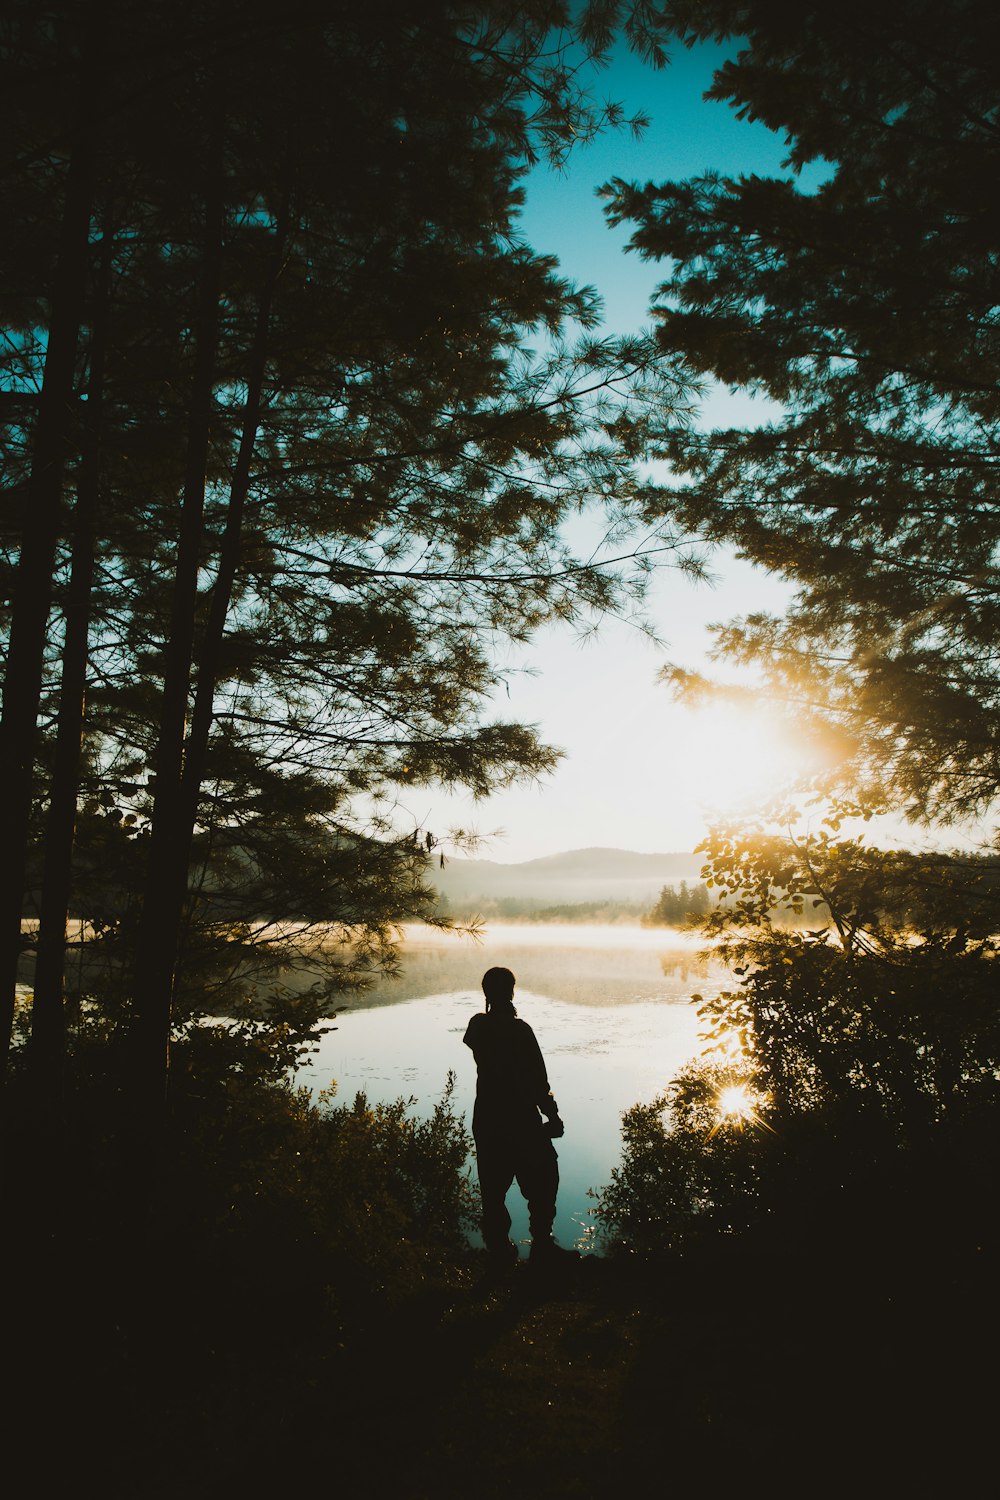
(166, 877)
(36, 565)
(196, 750)
(47, 1017)
(229, 550)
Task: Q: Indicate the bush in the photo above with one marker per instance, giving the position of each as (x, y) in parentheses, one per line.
(254, 1189)
(869, 1047)
(350, 1204)
(685, 1178)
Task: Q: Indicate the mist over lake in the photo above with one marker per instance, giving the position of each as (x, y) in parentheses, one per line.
(611, 1007)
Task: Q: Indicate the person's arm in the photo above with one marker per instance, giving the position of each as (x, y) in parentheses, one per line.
(541, 1092)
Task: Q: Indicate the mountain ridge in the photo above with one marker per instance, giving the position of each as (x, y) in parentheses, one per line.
(597, 853)
(625, 877)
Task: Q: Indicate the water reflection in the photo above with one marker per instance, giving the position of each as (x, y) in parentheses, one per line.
(610, 1007)
(583, 965)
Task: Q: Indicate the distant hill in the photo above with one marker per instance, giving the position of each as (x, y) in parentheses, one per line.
(618, 877)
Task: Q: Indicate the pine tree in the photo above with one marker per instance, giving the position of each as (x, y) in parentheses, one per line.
(332, 469)
(862, 298)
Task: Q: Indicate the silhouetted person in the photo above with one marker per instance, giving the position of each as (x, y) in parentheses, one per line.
(513, 1141)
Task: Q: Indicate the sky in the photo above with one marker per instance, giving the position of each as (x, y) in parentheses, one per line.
(639, 770)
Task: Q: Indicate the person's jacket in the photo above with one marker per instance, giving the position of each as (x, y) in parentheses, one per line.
(512, 1087)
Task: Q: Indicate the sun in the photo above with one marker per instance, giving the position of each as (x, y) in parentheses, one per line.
(735, 1103)
(738, 1105)
(735, 755)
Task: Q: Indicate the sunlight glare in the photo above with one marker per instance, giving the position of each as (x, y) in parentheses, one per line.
(734, 755)
(737, 1104)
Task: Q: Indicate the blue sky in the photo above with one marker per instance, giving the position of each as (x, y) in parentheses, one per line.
(640, 772)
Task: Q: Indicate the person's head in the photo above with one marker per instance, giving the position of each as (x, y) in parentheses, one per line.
(498, 987)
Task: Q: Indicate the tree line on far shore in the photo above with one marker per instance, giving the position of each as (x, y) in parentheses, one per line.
(675, 906)
(679, 906)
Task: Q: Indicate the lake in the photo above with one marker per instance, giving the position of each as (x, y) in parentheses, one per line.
(610, 1007)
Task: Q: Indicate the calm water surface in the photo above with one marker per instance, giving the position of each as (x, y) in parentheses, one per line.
(611, 1008)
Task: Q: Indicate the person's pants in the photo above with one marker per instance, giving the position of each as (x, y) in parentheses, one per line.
(532, 1161)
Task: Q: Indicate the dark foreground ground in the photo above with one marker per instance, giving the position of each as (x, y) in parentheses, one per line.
(727, 1374)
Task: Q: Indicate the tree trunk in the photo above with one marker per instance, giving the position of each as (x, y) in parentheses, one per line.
(36, 564)
(47, 1018)
(166, 877)
(195, 754)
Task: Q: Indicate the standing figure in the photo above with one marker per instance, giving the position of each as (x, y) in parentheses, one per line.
(513, 1141)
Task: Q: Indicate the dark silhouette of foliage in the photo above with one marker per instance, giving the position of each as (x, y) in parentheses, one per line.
(863, 1046)
(293, 418)
(860, 296)
(855, 294)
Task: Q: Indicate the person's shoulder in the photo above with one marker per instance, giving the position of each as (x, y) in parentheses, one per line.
(474, 1027)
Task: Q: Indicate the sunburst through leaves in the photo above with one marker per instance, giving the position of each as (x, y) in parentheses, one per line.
(739, 1105)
